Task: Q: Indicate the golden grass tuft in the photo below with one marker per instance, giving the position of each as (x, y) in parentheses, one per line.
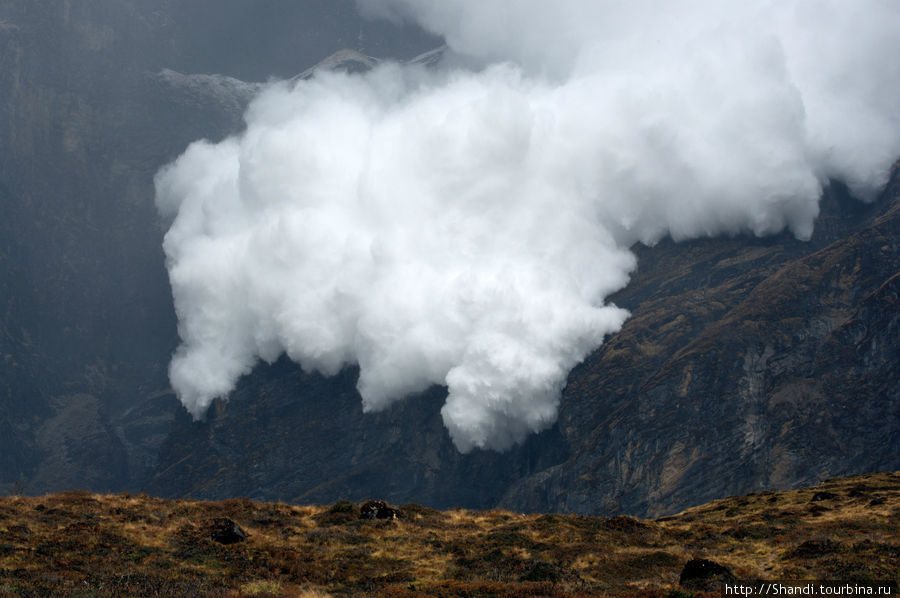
(263, 588)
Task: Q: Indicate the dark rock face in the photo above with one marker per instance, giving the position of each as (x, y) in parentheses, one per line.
(746, 365)
(84, 326)
(91, 105)
(300, 437)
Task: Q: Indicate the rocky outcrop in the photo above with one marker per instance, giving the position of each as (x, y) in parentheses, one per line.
(378, 509)
(225, 531)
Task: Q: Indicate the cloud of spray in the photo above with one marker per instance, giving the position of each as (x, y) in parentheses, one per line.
(463, 226)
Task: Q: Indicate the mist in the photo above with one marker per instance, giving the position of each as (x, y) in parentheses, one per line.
(463, 225)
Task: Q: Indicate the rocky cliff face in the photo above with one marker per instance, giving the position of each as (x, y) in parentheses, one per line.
(80, 240)
(92, 103)
(303, 438)
(746, 363)
(744, 366)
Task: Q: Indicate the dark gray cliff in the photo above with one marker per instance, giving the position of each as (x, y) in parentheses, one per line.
(288, 435)
(88, 114)
(745, 366)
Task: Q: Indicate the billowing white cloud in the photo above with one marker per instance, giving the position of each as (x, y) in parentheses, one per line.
(464, 225)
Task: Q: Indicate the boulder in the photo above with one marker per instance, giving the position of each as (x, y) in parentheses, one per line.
(225, 531)
(378, 509)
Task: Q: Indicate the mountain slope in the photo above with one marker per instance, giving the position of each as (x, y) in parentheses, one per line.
(90, 109)
(744, 366)
(747, 364)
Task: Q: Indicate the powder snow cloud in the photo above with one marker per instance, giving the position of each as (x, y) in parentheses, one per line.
(463, 225)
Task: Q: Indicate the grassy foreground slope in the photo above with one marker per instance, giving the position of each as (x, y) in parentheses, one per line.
(80, 544)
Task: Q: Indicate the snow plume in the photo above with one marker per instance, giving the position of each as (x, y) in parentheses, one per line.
(463, 225)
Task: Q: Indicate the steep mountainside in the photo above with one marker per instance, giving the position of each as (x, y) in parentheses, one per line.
(747, 364)
(288, 435)
(89, 111)
(744, 366)
(81, 266)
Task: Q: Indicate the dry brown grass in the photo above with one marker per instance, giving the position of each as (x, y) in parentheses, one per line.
(79, 544)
